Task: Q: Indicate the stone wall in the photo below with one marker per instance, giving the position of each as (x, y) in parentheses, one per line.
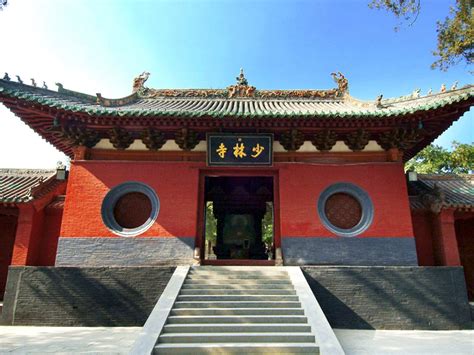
(97, 252)
(62, 296)
(383, 251)
(432, 298)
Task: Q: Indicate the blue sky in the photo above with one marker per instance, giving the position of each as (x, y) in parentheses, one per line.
(100, 46)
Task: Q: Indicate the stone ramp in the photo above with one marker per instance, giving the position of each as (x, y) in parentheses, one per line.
(239, 310)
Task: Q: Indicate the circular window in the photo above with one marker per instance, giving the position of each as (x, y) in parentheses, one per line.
(345, 209)
(129, 209)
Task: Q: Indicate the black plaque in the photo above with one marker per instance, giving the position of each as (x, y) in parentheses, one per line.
(239, 150)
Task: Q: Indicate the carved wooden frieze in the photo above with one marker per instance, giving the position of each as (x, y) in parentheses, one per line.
(120, 138)
(153, 139)
(357, 140)
(292, 140)
(401, 138)
(324, 140)
(186, 139)
(79, 136)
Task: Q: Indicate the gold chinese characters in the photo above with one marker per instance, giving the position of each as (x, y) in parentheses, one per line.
(239, 150)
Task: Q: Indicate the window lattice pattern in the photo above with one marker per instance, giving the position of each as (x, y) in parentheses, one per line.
(132, 210)
(343, 211)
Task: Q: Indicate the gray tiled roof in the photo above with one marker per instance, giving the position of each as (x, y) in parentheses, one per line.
(135, 105)
(457, 190)
(24, 185)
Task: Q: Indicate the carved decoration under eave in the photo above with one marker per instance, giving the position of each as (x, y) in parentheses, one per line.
(400, 138)
(342, 83)
(79, 135)
(153, 139)
(357, 140)
(186, 139)
(120, 138)
(324, 140)
(434, 199)
(292, 140)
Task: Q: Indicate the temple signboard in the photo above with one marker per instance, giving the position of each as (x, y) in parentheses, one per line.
(239, 150)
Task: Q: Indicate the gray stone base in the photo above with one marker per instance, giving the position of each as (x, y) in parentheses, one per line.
(349, 251)
(83, 297)
(432, 298)
(122, 251)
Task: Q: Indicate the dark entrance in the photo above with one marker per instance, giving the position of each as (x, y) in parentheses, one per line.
(239, 218)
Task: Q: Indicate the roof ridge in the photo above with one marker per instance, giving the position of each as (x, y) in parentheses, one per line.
(26, 171)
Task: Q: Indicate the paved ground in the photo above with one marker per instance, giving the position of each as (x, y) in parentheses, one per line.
(365, 342)
(62, 340)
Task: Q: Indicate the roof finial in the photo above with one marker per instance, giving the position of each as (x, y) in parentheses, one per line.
(443, 88)
(19, 79)
(139, 81)
(33, 82)
(416, 93)
(44, 85)
(241, 80)
(6, 77)
(430, 91)
(342, 83)
(378, 101)
(455, 85)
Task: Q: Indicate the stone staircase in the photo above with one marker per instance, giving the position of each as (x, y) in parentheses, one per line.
(237, 310)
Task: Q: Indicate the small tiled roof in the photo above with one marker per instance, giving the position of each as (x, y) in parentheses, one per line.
(277, 103)
(25, 185)
(454, 191)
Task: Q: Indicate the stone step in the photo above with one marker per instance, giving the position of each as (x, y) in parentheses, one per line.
(213, 281)
(237, 304)
(237, 312)
(236, 328)
(236, 277)
(237, 349)
(237, 319)
(261, 292)
(240, 298)
(186, 338)
(197, 286)
(238, 269)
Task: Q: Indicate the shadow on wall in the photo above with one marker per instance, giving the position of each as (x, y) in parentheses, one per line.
(431, 298)
(83, 296)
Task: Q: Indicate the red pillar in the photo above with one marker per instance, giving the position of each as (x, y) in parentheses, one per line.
(27, 234)
(445, 243)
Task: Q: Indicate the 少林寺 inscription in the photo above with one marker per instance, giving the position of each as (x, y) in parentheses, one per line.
(239, 150)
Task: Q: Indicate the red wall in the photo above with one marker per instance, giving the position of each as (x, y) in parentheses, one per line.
(175, 183)
(423, 229)
(7, 239)
(301, 185)
(49, 240)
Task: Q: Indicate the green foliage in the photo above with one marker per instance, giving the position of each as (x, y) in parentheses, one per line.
(267, 226)
(455, 33)
(455, 36)
(211, 224)
(435, 159)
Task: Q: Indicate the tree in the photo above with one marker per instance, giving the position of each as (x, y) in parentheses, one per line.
(3, 3)
(455, 33)
(435, 159)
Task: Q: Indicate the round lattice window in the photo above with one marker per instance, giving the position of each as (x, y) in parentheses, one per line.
(129, 209)
(345, 209)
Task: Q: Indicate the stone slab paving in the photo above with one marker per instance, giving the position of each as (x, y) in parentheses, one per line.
(416, 342)
(67, 340)
(118, 340)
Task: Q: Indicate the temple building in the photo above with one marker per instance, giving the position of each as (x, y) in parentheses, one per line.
(236, 176)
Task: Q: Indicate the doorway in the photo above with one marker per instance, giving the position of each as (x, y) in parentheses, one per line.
(239, 219)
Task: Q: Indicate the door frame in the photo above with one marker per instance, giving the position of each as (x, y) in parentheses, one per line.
(237, 172)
